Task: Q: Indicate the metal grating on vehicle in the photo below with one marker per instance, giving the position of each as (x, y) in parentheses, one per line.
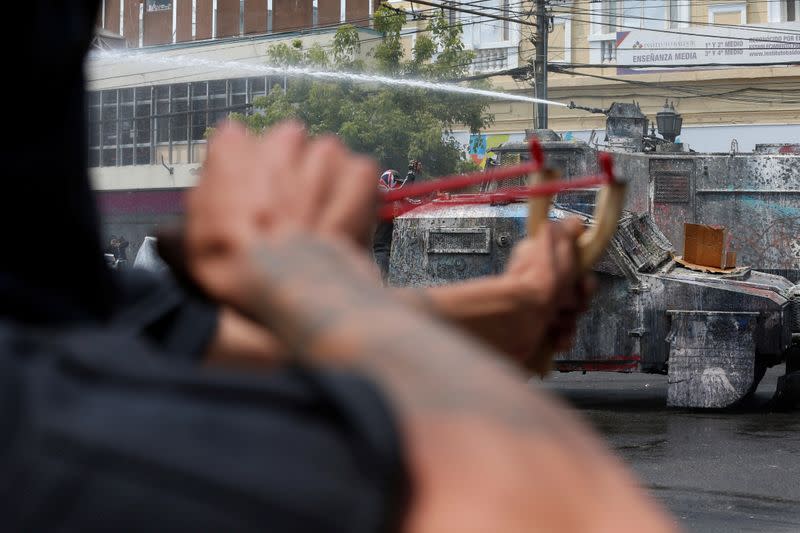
(671, 188)
(582, 200)
(459, 241)
(507, 159)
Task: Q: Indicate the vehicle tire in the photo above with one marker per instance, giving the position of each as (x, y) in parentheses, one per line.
(758, 374)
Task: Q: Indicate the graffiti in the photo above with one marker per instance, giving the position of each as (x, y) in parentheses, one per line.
(480, 145)
(789, 149)
(159, 5)
(775, 244)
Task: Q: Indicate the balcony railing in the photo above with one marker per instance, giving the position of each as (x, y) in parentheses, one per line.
(490, 60)
(608, 51)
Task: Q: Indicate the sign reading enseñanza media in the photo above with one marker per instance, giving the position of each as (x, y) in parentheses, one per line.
(743, 45)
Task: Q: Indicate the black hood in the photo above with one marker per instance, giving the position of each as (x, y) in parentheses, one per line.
(51, 267)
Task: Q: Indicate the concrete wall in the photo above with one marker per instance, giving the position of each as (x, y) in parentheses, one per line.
(143, 177)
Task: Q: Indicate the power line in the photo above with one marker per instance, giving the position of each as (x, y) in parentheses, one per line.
(685, 65)
(477, 61)
(739, 27)
(679, 32)
(289, 32)
(723, 95)
(622, 15)
(685, 92)
(472, 12)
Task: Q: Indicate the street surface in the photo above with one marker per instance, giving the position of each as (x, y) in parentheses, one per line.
(718, 471)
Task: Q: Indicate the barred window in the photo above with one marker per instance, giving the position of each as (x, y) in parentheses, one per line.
(136, 126)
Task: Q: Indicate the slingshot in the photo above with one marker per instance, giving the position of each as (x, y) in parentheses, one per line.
(543, 185)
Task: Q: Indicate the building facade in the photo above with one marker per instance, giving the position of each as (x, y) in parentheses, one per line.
(157, 22)
(747, 96)
(194, 62)
(149, 111)
(731, 67)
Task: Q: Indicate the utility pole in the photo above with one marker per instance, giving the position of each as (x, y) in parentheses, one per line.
(540, 63)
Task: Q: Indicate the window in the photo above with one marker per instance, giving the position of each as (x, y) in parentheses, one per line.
(452, 14)
(783, 11)
(199, 110)
(481, 31)
(559, 40)
(162, 114)
(217, 100)
(643, 14)
(194, 19)
(180, 119)
(238, 95)
(94, 107)
(679, 14)
(136, 126)
(258, 87)
(732, 14)
(315, 13)
(179, 112)
(505, 23)
(610, 16)
(790, 10)
(109, 125)
(144, 124)
(159, 5)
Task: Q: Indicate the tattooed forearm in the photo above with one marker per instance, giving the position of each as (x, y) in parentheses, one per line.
(315, 300)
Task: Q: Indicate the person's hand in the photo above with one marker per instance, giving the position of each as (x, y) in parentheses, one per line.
(548, 292)
(282, 186)
(537, 300)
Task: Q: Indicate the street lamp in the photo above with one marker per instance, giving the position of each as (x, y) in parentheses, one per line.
(669, 122)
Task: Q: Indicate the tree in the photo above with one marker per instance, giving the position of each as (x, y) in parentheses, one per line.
(393, 124)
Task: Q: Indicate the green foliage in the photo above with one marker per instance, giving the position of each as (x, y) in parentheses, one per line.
(394, 125)
(283, 55)
(347, 47)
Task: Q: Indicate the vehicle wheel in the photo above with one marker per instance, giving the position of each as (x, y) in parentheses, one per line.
(787, 393)
(758, 374)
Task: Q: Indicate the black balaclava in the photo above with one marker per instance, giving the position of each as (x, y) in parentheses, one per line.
(51, 266)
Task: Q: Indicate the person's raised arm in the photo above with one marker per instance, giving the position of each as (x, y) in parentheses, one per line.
(486, 453)
(516, 310)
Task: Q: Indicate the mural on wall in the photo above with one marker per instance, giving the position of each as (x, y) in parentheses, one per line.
(480, 144)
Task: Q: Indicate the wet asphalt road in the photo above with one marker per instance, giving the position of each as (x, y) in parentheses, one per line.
(716, 471)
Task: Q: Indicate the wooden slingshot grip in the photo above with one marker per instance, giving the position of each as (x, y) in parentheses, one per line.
(590, 244)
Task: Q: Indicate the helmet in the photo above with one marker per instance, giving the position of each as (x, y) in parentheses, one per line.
(390, 180)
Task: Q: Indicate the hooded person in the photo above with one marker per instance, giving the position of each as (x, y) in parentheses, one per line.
(107, 421)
